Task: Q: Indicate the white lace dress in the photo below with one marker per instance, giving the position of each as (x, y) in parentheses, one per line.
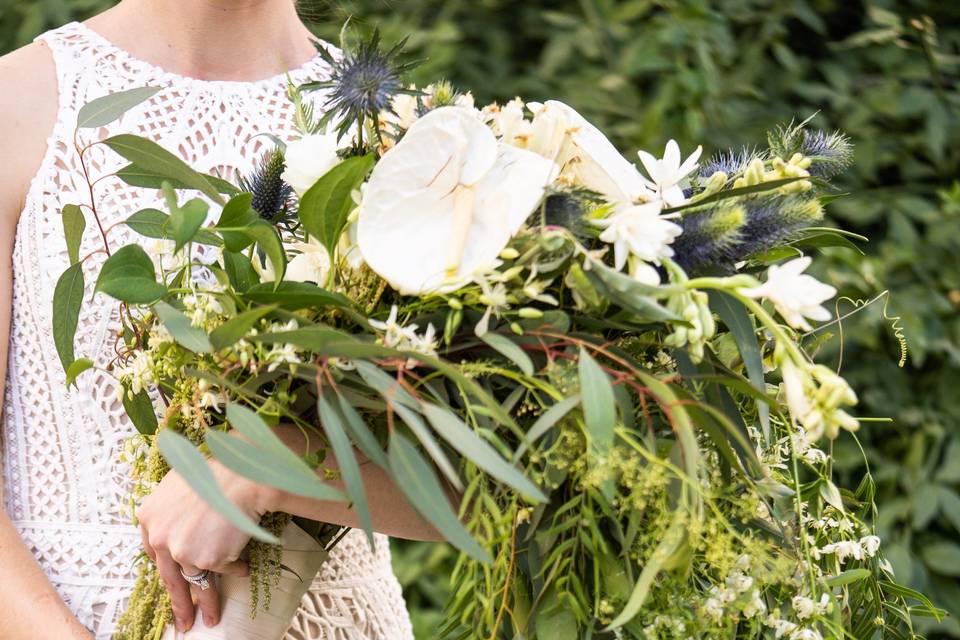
(66, 489)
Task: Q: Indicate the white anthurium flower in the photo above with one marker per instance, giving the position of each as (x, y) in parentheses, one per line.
(445, 201)
(309, 158)
(794, 294)
(640, 231)
(311, 264)
(584, 153)
(668, 172)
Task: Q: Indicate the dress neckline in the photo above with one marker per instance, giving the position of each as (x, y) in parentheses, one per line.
(314, 64)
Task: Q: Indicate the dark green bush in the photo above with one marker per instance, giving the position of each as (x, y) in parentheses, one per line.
(720, 72)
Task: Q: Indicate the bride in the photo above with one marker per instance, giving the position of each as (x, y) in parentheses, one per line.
(67, 548)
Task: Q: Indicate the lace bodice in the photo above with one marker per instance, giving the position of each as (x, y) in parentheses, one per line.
(66, 486)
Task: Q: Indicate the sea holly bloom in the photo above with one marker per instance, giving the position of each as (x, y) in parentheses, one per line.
(668, 172)
(795, 295)
(308, 159)
(638, 230)
(584, 153)
(445, 201)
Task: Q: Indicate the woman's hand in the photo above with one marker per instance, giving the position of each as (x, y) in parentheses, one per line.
(180, 531)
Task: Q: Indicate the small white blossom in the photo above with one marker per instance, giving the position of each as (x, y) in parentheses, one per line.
(639, 230)
(780, 627)
(870, 545)
(713, 609)
(844, 549)
(803, 606)
(756, 606)
(667, 173)
(795, 295)
(806, 634)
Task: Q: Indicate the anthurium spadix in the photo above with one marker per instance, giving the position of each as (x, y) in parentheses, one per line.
(445, 201)
(583, 153)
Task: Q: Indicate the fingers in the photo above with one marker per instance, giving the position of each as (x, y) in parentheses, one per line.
(208, 600)
(146, 543)
(178, 588)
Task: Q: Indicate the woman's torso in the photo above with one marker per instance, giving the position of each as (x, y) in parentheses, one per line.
(66, 484)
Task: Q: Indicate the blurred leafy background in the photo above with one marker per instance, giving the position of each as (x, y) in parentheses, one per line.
(719, 73)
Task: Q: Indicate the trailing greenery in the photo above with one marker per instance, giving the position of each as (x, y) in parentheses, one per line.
(706, 71)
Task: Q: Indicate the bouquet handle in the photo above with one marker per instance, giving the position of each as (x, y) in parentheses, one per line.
(301, 559)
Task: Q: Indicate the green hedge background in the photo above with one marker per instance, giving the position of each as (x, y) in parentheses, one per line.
(719, 73)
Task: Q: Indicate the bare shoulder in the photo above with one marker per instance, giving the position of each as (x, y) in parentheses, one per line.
(28, 111)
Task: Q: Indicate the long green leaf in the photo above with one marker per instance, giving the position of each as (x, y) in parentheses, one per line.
(738, 320)
(432, 447)
(325, 206)
(77, 367)
(151, 156)
(545, 422)
(128, 275)
(261, 466)
(311, 338)
(153, 223)
(387, 385)
(182, 330)
(240, 271)
(509, 350)
(136, 176)
(599, 407)
(102, 111)
(419, 483)
(347, 462)
(268, 240)
(360, 433)
(140, 410)
(184, 458)
(67, 300)
(470, 445)
(73, 226)
(296, 295)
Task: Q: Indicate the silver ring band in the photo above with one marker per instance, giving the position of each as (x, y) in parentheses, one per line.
(198, 580)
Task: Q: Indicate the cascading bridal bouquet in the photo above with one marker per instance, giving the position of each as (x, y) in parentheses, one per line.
(612, 367)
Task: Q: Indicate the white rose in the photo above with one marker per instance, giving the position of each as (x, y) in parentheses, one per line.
(308, 159)
(312, 264)
(445, 201)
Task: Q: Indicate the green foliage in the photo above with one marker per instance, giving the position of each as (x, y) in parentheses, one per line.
(711, 71)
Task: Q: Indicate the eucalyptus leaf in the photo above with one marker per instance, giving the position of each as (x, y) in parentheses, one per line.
(178, 324)
(137, 176)
(263, 467)
(67, 300)
(599, 407)
(231, 331)
(184, 458)
(510, 350)
(104, 110)
(185, 221)
(546, 421)
(430, 444)
(73, 226)
(150, 156)
(462, 438)
(294, 296)
(128, 275)
(139, 408)
(360, 434)
(347, 462)
(77, 367)
(240, 272)
(153, 223)
(416, 479)
(268, 240)
(236, 216)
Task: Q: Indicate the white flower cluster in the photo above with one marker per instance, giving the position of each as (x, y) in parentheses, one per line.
(795, 295)
(397, 336)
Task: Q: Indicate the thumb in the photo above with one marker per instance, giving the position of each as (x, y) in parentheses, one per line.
(237, 569)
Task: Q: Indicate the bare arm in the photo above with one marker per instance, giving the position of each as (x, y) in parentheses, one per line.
(27, 114)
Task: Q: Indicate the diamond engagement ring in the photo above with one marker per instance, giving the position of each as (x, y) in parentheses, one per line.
(198, 580)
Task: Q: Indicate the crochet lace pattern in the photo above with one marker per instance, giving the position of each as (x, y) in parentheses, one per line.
(66, 488)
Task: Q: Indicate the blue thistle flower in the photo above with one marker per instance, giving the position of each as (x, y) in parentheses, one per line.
(362, 83)
(271, 195)
(772, 222)
(730, 162)
(710, 239)
(831, 152)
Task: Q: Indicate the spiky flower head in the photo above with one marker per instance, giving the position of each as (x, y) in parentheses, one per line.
(271, 195)
(362, 84)
(830, 153)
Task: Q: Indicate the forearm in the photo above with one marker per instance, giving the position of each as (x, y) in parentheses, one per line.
(390, 510)
(31, 606)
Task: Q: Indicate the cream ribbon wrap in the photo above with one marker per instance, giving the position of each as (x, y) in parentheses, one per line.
(303, 555)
